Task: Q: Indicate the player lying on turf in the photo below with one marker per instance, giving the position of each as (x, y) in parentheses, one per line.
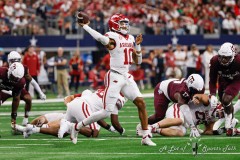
(90, 103)
(50, 124)
(174, 124)
(55, 119)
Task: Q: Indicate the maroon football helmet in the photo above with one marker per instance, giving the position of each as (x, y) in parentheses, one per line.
(119, 23)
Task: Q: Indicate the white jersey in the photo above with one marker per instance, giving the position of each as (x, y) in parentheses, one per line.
(95, 101)
(54, 116)
(200, 113)
(121, 55)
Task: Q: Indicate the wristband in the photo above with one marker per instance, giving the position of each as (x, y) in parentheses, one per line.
(138, 48)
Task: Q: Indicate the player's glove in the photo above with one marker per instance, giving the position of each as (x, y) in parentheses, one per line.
(194, 132)
(112, 129)
(42, 96)
(213, 101)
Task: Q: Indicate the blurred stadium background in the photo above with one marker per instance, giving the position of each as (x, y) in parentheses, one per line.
(165, 24)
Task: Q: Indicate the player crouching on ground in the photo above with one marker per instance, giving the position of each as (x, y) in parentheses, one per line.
(202, 113)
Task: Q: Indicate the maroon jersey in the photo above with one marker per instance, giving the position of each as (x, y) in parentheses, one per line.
(5, 84)
(164, 94)
(228, 77)
(179, 86)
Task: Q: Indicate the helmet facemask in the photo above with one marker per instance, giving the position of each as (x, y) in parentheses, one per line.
(11, 61)
(225, 60)
(124, 27)
(226, 54)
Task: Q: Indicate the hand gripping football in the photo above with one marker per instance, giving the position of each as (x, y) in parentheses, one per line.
(82, 17)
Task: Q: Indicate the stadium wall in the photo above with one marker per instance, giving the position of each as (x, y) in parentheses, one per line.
(50, 43)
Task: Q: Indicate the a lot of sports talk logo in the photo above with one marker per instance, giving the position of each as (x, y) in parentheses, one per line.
(196, 146)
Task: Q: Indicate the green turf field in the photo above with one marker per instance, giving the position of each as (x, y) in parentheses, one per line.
(108, 145)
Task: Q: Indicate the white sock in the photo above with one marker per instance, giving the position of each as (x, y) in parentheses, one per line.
(228, 120)
(236, 106)
(145, 133)
(156, 125)
(96, 116)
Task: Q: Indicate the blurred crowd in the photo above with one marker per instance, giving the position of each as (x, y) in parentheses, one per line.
(179, 17)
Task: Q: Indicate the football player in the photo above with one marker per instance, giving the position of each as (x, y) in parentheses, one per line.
(122, 54)
(202, 113)
(225, 70)
(14, 56)
(12, 80)
(177, 91)
(50, 123)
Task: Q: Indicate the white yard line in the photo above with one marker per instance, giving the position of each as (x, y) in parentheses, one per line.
(117, 138)
(6, 147)
(146, 95)
(35, 144)
(107, 153)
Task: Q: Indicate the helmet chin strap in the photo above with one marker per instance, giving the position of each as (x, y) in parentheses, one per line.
(123, 31)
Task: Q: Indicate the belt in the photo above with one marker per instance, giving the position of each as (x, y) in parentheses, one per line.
(115, 71)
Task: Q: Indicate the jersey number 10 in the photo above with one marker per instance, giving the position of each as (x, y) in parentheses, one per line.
(128, 56)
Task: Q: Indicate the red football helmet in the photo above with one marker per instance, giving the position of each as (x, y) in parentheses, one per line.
(119, 23)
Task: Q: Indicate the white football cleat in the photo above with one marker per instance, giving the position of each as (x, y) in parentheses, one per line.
(27, 131)
(19, 128)
(64, 127)
(147, 141)
(25, 121)
(74, 133)
(139, 130)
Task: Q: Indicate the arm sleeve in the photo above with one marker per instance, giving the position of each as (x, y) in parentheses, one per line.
(213, 77)
(96, 35)
(36, 86)
(187, 114)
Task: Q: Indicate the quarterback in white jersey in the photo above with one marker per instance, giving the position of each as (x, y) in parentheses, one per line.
(122, 54)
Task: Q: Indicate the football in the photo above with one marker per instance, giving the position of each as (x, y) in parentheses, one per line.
(82, 17)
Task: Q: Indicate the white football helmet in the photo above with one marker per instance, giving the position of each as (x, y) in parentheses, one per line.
(226, 53)
(14, 56)
(15, 72)
(195, 84)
